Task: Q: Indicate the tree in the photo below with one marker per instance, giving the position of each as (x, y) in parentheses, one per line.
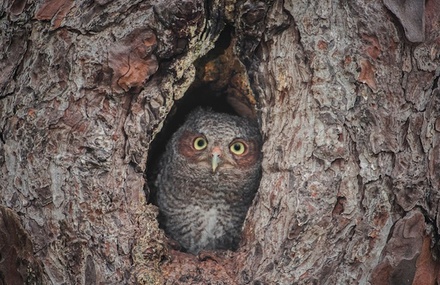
(347, 96)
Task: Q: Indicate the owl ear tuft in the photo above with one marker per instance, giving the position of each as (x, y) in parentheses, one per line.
(198, 112)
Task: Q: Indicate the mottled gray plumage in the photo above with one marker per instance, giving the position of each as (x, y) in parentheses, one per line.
(202, 205)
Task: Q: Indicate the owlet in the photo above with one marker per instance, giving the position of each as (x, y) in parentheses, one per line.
(207, 180)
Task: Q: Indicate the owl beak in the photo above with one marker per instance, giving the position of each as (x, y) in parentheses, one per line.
(216, 154)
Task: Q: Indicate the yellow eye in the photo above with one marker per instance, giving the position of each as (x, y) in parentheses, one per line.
(238, 148)
(200, 143)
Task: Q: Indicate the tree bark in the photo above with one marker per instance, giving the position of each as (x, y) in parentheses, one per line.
(347, 96)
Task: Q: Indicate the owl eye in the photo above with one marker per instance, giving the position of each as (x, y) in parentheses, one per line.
(238, 148)
(200, 143)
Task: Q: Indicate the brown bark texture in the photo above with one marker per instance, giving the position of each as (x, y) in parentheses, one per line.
(347, 96)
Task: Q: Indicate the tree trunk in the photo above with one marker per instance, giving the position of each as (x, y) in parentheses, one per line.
(347, 96)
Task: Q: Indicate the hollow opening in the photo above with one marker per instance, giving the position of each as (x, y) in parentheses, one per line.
(210, 90)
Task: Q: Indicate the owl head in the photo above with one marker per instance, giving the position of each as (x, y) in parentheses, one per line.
(218, 142)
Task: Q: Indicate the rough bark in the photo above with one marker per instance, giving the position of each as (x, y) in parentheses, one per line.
(347, 97)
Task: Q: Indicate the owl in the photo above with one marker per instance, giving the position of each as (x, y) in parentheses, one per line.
(207, 179)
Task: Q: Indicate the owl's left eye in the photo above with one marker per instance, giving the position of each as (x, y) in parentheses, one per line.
(200, 143)
(238, 148)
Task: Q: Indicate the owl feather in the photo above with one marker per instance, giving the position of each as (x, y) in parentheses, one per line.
(207, 179)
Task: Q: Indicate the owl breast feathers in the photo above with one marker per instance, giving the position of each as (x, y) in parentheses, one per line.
(207, 180)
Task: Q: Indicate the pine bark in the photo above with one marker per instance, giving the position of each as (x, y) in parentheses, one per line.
(347, 96)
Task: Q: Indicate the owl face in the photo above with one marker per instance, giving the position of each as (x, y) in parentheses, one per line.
(206, 151)
(218, 142)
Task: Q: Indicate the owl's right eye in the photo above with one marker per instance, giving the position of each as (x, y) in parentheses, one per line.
(200, 143)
